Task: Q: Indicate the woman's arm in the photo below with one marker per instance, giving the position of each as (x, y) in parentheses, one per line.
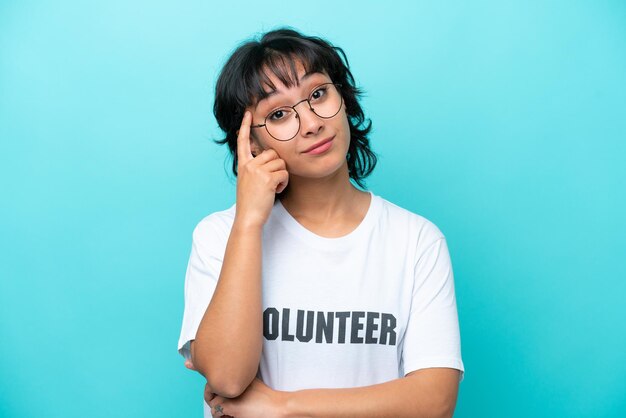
(228, 344)
(428, 393)
(229, 340)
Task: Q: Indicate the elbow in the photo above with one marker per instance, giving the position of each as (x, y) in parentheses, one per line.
(437, 412)
(448, 413)
(441, 406)
(223, 382)
(444, 409)
(445, 404)
(226, 388)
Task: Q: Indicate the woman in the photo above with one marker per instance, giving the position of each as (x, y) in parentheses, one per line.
(310, 296)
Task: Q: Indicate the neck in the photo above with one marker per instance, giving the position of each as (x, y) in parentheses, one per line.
(320, 199)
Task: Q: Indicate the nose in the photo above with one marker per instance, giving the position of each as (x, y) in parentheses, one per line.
(310, 123)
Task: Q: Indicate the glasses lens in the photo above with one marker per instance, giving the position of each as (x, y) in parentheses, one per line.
(282, 123)
(325, 100)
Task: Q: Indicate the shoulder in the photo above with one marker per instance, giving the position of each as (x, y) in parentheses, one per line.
(421, 229)
(215, 225)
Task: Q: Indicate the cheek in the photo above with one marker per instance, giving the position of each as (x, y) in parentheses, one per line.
(284, 151)
(264, 143)
(346, 128)
(344, 118)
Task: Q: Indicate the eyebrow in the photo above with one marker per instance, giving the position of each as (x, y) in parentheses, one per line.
(271, 93)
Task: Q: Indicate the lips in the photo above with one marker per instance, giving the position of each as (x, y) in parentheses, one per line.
(322, 142)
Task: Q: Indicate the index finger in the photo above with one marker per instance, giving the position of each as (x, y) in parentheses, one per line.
(243, 139)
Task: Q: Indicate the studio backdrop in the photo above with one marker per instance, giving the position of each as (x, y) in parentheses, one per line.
(503, 122)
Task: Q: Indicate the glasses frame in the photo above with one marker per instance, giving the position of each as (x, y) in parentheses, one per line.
(308, 100)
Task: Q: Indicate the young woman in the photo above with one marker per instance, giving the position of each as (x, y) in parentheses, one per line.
(310, 296)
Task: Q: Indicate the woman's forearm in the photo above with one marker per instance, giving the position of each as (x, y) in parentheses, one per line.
(228, 343)
(432, 393)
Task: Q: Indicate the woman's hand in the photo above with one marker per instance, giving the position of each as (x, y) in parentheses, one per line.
(258, 178)
(258, 400)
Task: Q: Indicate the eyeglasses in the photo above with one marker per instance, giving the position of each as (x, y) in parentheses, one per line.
(283, 124)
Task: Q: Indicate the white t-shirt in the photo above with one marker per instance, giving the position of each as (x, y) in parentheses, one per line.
(361, 309)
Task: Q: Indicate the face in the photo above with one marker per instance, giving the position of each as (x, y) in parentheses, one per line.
(313, 129)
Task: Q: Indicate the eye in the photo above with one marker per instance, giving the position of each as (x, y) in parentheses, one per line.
(278, 114)
(319, 92)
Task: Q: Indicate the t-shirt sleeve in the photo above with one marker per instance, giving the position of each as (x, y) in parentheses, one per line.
(432, 337)
(203, 269)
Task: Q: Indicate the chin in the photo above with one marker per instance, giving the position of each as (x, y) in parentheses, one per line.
(324, 167)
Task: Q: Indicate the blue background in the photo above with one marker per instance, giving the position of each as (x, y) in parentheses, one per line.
(501, 121)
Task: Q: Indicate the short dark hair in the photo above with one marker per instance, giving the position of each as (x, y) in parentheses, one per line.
(240, 84)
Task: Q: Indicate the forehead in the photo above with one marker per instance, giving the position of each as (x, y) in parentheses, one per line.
(274, 87)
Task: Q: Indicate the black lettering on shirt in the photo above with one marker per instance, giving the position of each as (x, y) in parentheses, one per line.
(270, 323)
(324, 327)
(301, 335)
(318, 327)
